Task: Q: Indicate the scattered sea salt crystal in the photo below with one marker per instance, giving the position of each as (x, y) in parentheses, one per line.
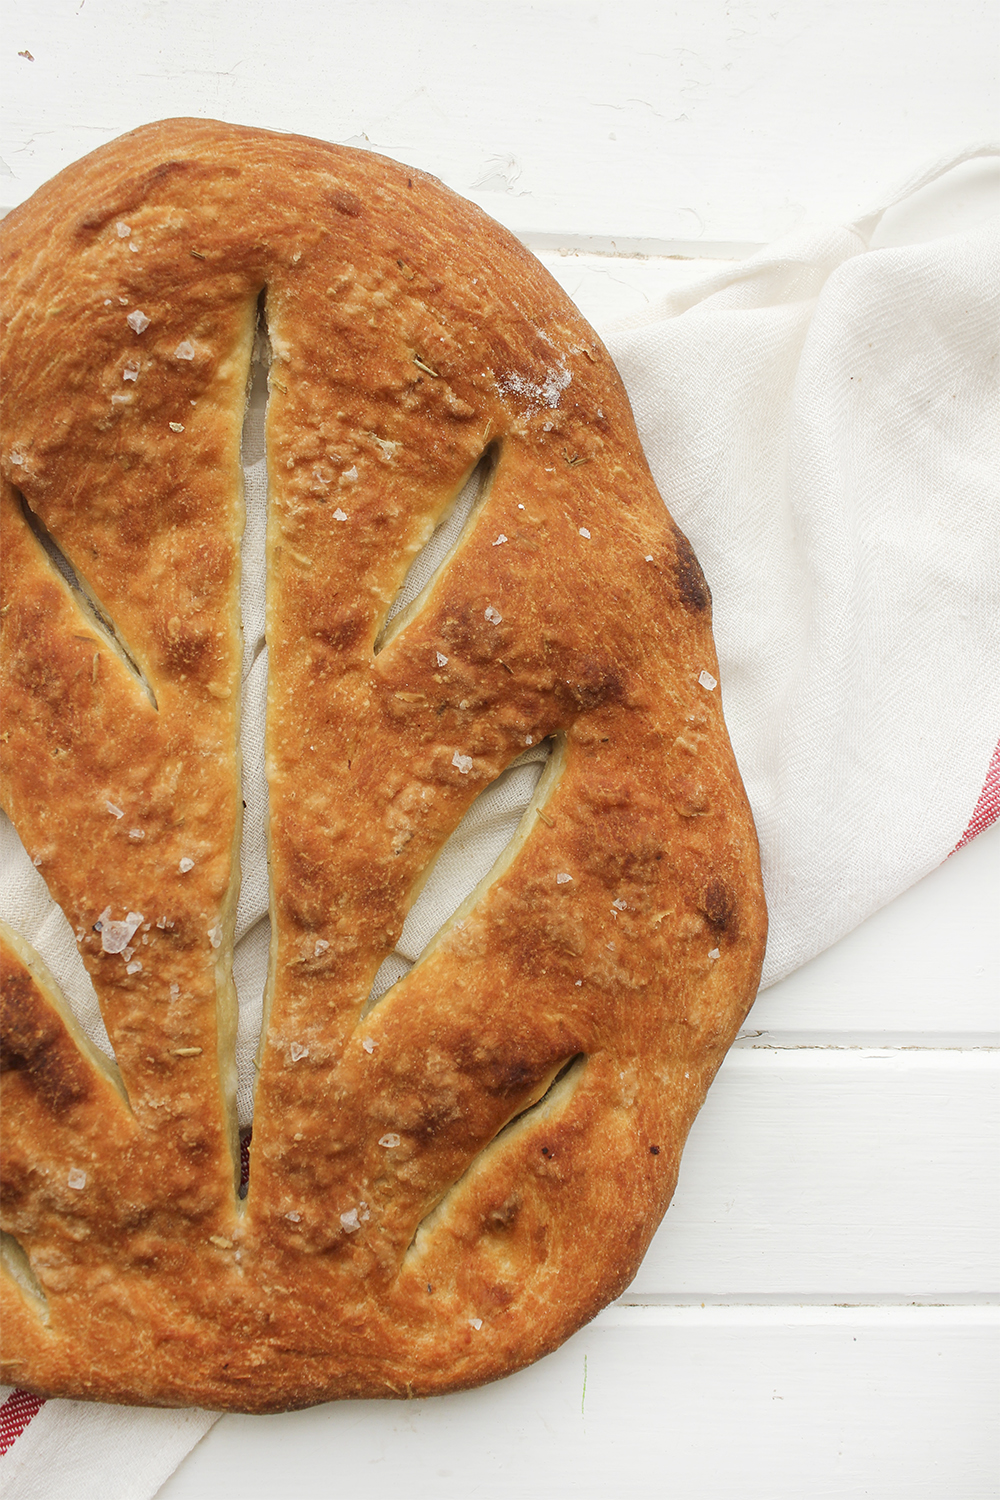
(500, 540)
(350, 474)
(176, 426)
(389, 1139)
(37, 861)
(130, 372)
(442, 660)
(134, 249)
(184, 350)
(563, 879)
(76, 1178)
(462, 762)
(124, 230)
(355, 1217)
(137, 321)
(175, 990)
(339, 515)
(713, 955)
(519, 505)
(117, 400)
(493, 615)
(215, 935)
(707, 680)
(295, 1216)
(619, 905)
(321, 947)
(585, 532)
(17, 459)
(115, 811)
(529, 740)
(298, 1052)
(185, 865)
(369, 1043)
(115, 936)
(133, 968)
(578, 983)
(649, 557)
(476, 1323)
(137, 835)
(127, 953)
(123, 302)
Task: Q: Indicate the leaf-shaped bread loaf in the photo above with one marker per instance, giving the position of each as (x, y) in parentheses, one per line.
(446, 1183)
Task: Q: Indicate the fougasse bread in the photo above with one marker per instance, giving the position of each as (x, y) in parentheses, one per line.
(446, 1183)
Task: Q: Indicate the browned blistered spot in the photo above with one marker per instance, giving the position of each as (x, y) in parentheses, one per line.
(143, 188)
(345, 202)
(504, 1216)
(689, 797)
(33, 1043)
(343, 631)
(719, 905)
(691, 586)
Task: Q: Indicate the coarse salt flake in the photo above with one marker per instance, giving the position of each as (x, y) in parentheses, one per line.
(649, 557)
(137, 321)
(176, 426)
(528, 740)
(562, 878)
(135, 967)
(585, 532)
(442, 660)
(215, 935)
(714, 954)
(463, 763)
(493, 615)
(76, 1179)
(707, 680)
(184, 350)
(369, 1043)
(500, 540)
(476, 1323)
(340, 515)
(619, 905)
(321, 947)
(124, 230)
(389, 1139)
(130, 372)
(137, 835)
(185, 865)
(350, 474)
(355, 1217)
(17, 459)
(297, 1052)
(175, 990)
(115, 812)
(295, 1216)
(116, 936)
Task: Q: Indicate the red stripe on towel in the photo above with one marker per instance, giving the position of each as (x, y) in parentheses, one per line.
(15, 1414)
(987, 809)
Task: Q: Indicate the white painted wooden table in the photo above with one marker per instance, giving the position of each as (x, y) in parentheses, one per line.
(817, 1315)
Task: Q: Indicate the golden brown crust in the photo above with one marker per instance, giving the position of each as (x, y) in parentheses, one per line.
(417, 1221)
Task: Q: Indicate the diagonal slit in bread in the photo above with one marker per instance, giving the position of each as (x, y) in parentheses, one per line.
(450, 1176)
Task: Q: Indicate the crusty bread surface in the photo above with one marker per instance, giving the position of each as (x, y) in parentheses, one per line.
(448, 1182)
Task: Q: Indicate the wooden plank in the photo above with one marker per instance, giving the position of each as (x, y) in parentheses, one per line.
(636, 125)
(693, 1403)
(847, 1174)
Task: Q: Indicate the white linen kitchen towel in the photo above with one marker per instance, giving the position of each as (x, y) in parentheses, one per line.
(822, 421)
